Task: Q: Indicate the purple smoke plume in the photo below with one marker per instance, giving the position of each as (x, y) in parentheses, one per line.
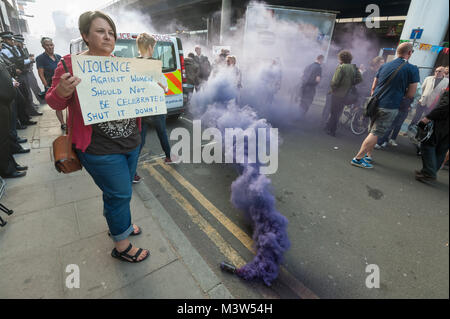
(251, 191)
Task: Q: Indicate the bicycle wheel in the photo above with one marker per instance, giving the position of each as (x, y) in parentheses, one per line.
(360, 123)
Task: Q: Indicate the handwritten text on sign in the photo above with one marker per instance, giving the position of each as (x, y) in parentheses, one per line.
(118, 88)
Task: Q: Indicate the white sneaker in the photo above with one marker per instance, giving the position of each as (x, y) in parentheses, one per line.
(384, 144)
(392, 142)
(377, 147)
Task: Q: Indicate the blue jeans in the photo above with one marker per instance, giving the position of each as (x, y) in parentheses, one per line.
(159, 121)
(433, 156)
(395, 127)
(113, 174)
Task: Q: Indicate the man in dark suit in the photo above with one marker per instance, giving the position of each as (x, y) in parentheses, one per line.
(8, 166)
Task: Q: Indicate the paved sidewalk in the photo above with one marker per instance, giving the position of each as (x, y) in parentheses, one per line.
(58, 221)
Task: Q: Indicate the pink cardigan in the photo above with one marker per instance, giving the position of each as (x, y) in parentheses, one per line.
(81, 134)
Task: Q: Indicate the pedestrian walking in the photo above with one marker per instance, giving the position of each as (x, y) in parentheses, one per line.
(396, 79)
(310, 80)
(271, 77)
(432, 88)
(108, 151)
(146, 44)
(345, 77)
(365, 88)
(203, 63)
(220, 61)
(193, 79)
(236, 76)
(231, 64)
(403, 111)
(435, 148)
(46, 64)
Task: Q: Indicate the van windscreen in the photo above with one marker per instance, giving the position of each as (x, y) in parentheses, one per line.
(164, 51)
(126, 49)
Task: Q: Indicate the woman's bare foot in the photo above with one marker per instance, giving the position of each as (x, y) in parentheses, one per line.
(136, 229)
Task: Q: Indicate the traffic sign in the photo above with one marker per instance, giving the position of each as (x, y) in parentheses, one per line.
(416, 34)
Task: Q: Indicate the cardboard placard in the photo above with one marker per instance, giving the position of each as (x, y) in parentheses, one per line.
(118, 88)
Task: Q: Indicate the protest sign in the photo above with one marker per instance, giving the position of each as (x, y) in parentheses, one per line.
(118, 88)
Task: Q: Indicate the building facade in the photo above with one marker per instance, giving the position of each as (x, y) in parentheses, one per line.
(11, 16)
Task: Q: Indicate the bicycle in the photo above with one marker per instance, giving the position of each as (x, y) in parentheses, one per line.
(353, 114)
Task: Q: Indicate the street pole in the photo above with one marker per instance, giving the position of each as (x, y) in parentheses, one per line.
(225, 20)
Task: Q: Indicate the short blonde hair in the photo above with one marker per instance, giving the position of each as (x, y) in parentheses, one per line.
(144, 41)
(404, 48)
(232, 58)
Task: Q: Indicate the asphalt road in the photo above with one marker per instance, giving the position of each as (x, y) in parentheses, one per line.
(341, 218)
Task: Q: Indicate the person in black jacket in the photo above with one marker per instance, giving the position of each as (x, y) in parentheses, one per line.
(435, 148)
(310, 80)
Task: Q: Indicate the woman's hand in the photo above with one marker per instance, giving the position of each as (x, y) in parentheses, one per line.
(67, 85)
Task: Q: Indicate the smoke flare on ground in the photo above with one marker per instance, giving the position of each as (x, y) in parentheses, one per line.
(251, 191)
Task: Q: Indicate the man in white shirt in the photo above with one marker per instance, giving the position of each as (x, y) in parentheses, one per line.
(432, 88)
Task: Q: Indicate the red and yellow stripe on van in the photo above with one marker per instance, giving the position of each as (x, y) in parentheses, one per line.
(174, 82)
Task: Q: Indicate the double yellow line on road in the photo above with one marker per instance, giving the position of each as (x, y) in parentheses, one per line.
(229, 252)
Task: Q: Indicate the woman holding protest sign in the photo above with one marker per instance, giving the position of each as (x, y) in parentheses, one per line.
(109, 151)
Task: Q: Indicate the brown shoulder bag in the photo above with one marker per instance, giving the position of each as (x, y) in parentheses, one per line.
(66, 160)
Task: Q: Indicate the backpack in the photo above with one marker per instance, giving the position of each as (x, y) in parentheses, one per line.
(352, 94)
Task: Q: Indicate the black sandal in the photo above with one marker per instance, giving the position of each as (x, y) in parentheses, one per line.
(132, 234)
(134, 259)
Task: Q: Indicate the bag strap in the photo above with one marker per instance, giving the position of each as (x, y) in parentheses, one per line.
(68, 126)
(385, 86)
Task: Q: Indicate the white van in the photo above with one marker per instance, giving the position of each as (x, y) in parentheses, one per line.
(169, 50)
